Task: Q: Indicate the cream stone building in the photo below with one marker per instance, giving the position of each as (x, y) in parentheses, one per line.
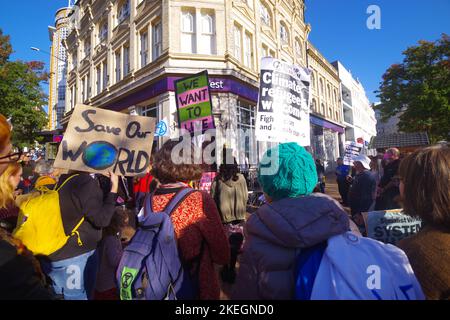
(58, 68)
(124, 55)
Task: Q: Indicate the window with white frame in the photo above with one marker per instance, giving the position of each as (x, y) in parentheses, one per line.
(123, 11)
(313, 80)
(105, 75)
(248, 148)
(321, 88)
(126, 61)
(237, 42)
(208, 37)
(98, 81)
(117, 65)
(264, 51)
(149, 111)
(144, 48)
(83, 88)
(188, 33)
(156, 40)
(248, 50)
(88, 86)
(265, 14)
(284, 35)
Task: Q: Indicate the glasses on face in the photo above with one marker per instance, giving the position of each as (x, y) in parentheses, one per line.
(12, 157)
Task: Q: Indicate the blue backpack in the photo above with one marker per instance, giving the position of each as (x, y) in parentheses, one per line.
(150, 267)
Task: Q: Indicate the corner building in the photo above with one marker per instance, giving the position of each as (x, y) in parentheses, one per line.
(125, 54)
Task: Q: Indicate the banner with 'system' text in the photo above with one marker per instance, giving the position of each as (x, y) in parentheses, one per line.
(283, 103)
(99, 141)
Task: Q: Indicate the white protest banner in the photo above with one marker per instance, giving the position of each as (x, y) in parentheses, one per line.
(352, 149)
(390, 226)
(98, 140)
(283, 103)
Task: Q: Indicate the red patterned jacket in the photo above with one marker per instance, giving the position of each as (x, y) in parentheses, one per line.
(197, 218)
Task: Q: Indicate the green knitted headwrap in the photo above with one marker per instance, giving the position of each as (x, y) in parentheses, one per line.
(287, 171)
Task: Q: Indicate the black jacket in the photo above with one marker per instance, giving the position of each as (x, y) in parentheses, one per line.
(82, 196)
(19, 279)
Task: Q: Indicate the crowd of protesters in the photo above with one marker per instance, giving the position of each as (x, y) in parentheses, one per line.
(301, 244)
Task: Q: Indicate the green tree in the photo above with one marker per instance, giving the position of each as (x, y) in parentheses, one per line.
(21, 96)
(419, 89)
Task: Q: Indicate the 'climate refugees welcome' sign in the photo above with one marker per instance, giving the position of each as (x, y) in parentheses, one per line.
(194, 103)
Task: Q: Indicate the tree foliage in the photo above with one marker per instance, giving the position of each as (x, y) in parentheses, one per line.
(419, 89)
(21, 96)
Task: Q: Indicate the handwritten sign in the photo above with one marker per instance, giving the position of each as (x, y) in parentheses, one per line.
(283, 104)
(98, 140)
(390, 226)
(352, 149)
(194, 103)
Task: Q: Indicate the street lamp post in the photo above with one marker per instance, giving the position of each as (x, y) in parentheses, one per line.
(39, 50)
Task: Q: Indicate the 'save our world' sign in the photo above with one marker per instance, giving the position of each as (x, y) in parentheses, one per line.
(99, 141)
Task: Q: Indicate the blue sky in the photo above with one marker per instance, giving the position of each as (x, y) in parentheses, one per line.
(338, 30)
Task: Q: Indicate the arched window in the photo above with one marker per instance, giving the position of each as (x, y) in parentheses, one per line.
(284, 34)
(208, 38)
(321, 87)
(322, 108)
(335, 96)
(328, 92)
(265, 14)
(188, 34)
(313, 80)
(313, 105)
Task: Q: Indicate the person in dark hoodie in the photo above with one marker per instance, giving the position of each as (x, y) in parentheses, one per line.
(73, 268)
(293, 219)
(229, 191)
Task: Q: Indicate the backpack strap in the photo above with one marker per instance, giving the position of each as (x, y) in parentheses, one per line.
(65, 181)
(173, 203)
(75, 230)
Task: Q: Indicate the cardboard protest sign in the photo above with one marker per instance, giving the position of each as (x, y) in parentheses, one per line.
(98, 140)
(194, 103)
(207, 180)
(283, 103)
(390, 226)
(352, 149)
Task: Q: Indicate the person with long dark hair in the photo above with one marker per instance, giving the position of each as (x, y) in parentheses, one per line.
(230, 193)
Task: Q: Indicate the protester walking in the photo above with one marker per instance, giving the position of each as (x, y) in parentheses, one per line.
(362, 191)
(388, 188)
(110, 252)
(320, 175)
(425, 192)
(229, 191)
(191, 217)
(299, 245)
(342, 172)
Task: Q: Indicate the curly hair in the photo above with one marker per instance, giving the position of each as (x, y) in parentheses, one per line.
(6, 189)
(166, 171)
(425, 175)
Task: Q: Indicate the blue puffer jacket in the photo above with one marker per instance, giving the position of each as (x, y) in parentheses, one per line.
(275, 234)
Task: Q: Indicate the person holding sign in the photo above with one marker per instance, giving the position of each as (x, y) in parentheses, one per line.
(425, 191)
(73, 268)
